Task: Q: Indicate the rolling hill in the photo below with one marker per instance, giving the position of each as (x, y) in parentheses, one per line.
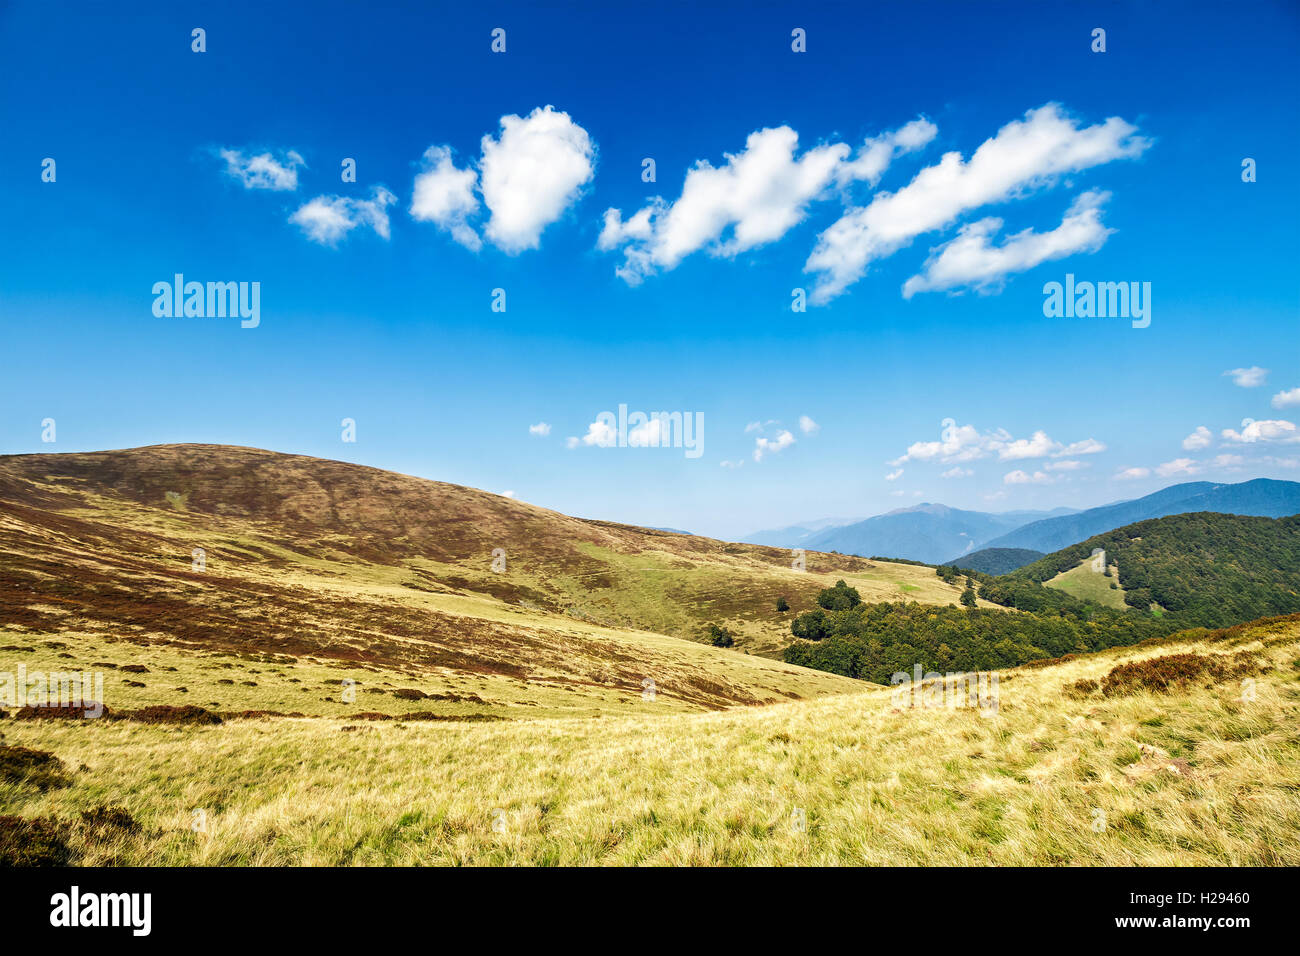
(1264, 497)
(324, 564)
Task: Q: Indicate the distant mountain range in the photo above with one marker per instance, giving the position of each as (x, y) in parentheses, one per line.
(927, 532)
(937, 534)
(1262, 497)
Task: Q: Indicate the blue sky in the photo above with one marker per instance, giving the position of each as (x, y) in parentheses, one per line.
(1122, 166)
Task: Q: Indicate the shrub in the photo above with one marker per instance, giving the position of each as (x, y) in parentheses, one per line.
(36, 842)
(839, 598)
(782, 604)
(720, 636)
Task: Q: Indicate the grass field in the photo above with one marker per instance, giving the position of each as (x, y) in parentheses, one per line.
(1088, 585)
(1203, 773)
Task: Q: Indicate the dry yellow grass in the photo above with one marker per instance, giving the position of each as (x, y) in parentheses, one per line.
(1204, 775)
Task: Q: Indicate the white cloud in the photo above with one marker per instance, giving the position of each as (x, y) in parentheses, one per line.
(875, 155)
(972, 260)
(507, 494)
(1252, 431)
(1067, 465)
(649, 434)
(531, 173)
(957, 472)
(1248, 377)
(1127, 474)
(894, 475)
(1198, 439)
(1287, 398)
(808, 426)
(444, 195)
(541, 428)
(733, 464)
(327, 219)
(1039, 446)
(757, 196)
(264, 171)
(960, 443)
(599, 433)
(770, 446)
(1019, 477)
(1227, 461)
(1023, 155)
(1179, 466)
(754, 198)
(528, 176)
(1089, 446)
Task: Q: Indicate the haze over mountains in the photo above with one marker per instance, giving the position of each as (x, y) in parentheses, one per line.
(937, 534)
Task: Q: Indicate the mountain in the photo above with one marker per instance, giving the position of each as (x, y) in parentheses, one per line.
(927, 532)
(996, 561)
(1264, 497)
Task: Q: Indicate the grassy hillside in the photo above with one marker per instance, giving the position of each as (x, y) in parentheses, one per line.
(319, 562)
(1088, 583)
(1205, 569)
(1182, 752)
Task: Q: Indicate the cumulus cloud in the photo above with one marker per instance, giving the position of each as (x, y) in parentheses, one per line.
(876, 154)
(1198, 439)
(327, 219)
(1127, 474)
(1286, 399)
(754, 198)
(1179, 466)
(961, 443)
(541, 429)
(1269, 430)
(894, 475)
(1227, 461)
(1248, 377)
(528, 176)
(265, 170)
(531, 173)
(808, 426)
(957, 472)
(1038, 446)
(770, 446)
(1069, 464)
(1023, 155)
(444, 195)
(972, 260)
(599, 433)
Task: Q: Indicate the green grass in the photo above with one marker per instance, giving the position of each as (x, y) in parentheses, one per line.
(1088, 585)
